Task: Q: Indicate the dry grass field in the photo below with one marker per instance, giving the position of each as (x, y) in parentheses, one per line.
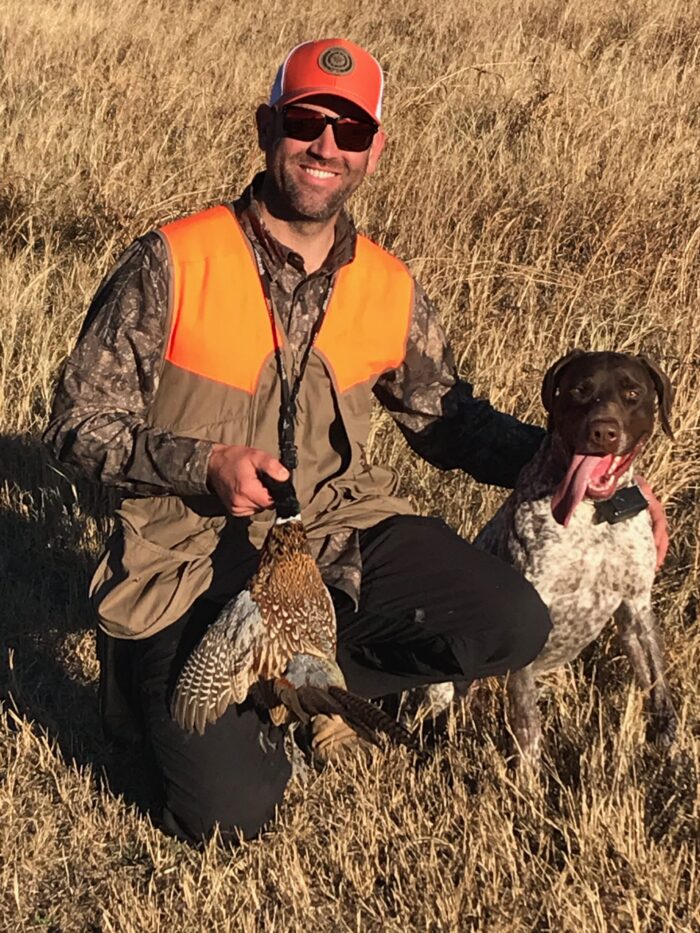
(542, 180)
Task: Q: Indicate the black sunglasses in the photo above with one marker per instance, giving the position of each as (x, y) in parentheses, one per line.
(306, 125)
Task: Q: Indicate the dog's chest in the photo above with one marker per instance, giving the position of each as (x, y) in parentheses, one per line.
(582, 572)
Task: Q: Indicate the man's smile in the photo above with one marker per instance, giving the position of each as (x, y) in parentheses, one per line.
(320, 173)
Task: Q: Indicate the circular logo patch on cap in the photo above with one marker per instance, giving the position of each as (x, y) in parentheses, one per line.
(336, 61)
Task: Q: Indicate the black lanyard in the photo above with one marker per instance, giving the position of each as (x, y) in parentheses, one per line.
(288, 402)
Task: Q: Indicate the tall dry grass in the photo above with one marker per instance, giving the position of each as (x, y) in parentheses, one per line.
(542, 180)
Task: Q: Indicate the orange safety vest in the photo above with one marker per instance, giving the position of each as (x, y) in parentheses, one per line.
(220, 326)
(219, 382)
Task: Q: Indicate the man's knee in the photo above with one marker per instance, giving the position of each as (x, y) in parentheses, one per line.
(523, 620)
(233, 776)
(238, 811)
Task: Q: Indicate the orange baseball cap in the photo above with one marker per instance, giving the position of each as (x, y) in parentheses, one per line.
(330, 66)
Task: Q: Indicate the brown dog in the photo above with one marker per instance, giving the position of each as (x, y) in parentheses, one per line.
(577, 526)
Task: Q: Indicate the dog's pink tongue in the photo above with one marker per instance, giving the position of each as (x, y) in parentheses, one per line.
(573, 487)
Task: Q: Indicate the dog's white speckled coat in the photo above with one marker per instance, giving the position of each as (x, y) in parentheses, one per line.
(586, 572)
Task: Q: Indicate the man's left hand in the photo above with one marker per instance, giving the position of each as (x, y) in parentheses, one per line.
(658, 520)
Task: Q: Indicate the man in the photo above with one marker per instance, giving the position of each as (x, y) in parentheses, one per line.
(249, 338)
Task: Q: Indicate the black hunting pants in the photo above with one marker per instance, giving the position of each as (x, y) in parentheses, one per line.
(479, 617)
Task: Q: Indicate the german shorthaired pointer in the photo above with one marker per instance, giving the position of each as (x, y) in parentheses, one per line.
(577, 526)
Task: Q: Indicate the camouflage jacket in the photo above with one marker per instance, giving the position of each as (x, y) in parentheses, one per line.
(98, 422)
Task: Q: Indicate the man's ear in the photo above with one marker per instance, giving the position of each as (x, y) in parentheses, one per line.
(265, 122)
(375, 150)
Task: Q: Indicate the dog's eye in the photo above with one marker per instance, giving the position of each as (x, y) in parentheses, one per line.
(630, 395)
(581, 393)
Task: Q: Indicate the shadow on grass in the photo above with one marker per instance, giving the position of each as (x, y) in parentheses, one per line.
(50, 531)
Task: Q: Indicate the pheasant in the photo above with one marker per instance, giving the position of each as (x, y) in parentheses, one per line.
(277, 638)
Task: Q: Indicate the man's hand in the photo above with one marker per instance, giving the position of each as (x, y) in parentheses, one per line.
(658, 520)
(233, 475)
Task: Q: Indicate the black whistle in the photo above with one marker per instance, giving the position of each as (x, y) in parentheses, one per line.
(288, 449)
(289, 456)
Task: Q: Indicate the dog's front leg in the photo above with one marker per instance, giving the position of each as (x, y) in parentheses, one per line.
(524, 717)
(642, 645)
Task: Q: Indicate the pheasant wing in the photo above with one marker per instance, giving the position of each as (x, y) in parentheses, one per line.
(222, 667)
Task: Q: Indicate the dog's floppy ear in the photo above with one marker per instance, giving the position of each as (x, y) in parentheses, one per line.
(664, 392)
(552, 376)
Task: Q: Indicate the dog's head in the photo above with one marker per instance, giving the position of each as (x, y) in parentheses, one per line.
(600, 410)
(579, 385)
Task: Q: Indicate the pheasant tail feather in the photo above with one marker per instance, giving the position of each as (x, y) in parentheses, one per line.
(364, 717)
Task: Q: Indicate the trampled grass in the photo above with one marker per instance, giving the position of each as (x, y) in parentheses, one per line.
(542, 180)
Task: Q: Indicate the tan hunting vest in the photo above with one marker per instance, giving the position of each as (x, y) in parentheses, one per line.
(219, 382)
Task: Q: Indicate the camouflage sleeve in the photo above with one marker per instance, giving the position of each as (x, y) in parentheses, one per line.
(98, 423)
(439, 415)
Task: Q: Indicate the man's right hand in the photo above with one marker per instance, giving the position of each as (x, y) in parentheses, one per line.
(233, 475)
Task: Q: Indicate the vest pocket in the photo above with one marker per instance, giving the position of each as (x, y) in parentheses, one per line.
(147, 579)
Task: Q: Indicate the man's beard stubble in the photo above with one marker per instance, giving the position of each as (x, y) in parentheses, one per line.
(306, 205)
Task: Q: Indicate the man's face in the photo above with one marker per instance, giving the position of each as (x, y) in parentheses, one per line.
(314, 179)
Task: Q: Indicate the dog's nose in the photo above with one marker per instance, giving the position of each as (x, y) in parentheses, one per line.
(604, 432)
